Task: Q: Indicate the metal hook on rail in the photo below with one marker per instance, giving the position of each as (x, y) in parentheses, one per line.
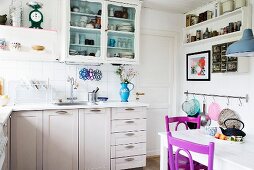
(228, 101)
(240, 102)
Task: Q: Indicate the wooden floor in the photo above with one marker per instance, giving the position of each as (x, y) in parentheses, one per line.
(152, 163)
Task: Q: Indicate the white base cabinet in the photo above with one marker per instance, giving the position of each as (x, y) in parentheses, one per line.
(60, 140)
(6, 129)
(79, 139)
(128, 138)
(26, 140)
(94, 139)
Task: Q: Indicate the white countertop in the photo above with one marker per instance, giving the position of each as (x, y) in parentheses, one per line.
(6, 111)
(23, 107)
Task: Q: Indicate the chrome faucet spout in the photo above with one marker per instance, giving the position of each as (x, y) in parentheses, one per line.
(73, 84)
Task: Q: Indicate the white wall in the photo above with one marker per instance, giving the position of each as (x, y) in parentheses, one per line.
(238, 84)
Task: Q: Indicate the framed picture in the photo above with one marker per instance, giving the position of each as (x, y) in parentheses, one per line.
(198, 66)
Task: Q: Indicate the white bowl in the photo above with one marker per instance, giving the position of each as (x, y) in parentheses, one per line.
(4, 101)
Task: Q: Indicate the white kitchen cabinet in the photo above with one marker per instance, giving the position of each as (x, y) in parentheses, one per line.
(76, 37)
(60, 140)
(26, 140)
(128, 138)
(94, 139)
(6, 129)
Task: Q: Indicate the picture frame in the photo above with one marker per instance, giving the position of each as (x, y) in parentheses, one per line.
(198, 66)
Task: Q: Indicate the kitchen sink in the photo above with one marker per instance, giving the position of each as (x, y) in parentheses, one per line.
(73, 103)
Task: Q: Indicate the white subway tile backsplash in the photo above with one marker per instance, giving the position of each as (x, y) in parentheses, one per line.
(57, 74)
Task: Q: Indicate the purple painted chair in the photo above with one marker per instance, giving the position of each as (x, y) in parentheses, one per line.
(184, 161)
(187, 146)
(183, 119)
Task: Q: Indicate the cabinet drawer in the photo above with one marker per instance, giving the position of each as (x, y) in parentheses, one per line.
(127, 109)
(128, 113)
(95, 110)
(128, 125)
(128, 150)
(128, 137)
(61, 112)
(128, 162)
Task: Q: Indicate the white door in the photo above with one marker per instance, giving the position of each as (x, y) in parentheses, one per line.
(94, 141)
(26, 140)
(156, 80)
(60, 140)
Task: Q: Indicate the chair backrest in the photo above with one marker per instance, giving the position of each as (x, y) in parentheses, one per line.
(187, 146)
(182, 119)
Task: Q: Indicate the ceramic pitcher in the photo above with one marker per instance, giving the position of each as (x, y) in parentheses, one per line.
(125, 91)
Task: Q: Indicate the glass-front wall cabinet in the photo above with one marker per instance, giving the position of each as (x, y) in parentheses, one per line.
(121, 32)
(85, 29)
(102, 31)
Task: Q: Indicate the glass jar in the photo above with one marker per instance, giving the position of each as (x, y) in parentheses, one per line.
(111, 12)
(125, 13)
(16, 12)
(198, 35)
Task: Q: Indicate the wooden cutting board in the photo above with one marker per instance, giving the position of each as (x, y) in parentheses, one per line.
(1, 86)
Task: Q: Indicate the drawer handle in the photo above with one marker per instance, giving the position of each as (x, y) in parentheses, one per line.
(130, 147)
(129, 109)
(130, 134)
(61, 112)
(95, 110)
(130, 121)
(129, 159)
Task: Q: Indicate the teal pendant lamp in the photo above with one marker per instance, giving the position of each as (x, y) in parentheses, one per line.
(244, 47)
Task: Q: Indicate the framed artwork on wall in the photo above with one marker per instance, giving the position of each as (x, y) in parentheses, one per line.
(198, 66)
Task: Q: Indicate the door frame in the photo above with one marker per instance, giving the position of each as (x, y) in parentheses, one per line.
(172, 110)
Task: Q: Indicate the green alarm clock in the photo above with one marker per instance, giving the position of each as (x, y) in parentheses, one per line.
(35, 16)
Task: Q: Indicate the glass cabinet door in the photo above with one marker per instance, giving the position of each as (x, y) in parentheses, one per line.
(85, 29)
(121, 32)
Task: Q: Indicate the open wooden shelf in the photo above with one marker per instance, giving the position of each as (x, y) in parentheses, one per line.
(224, 36)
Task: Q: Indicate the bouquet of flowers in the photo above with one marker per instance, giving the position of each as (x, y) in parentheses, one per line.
(126, 74)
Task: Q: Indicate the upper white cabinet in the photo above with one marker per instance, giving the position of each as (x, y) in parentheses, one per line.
(100, 31)
(94, 139)
(60, 139)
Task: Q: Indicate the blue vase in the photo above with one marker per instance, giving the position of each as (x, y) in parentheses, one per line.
(125, 91)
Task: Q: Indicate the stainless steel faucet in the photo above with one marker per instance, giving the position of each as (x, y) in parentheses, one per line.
(73, 86)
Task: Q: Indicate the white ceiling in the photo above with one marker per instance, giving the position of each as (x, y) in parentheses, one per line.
(175, 6)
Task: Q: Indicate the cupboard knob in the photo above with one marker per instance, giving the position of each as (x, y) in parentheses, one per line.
(130, 134)
(95, 110)
(130, 147)
(129, 109)
(61, 112)
(129, 159)
(130, 122)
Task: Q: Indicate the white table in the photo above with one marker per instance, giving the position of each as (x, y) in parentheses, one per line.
(227, 155)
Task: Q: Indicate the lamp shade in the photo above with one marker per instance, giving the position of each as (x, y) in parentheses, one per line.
(244, 47)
